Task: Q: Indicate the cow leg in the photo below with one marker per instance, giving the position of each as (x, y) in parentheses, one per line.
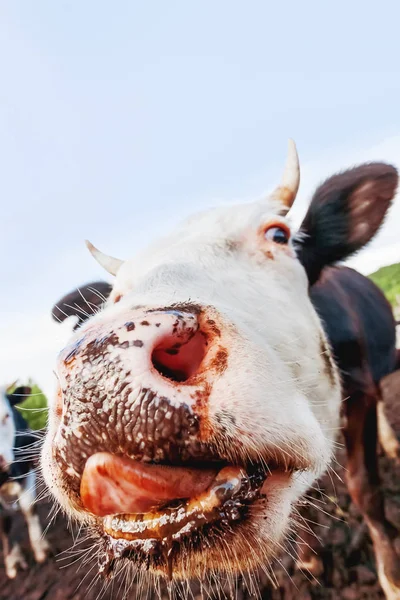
(39, 544)
(363, 482)
(13, 557)
(387, 436)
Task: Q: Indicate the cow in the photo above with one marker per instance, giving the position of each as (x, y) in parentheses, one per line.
(17, 481)
(201, 403)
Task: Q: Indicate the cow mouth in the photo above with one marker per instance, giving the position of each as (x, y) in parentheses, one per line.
(149, 513)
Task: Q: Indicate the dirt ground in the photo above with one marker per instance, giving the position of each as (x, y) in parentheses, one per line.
(349, 572)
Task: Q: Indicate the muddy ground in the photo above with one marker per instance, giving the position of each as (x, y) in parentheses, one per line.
(349, 573)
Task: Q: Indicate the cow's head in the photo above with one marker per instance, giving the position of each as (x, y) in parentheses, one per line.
(199, 405)
(7, 424)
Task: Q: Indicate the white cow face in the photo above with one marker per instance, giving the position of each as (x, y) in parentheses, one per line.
(202, 401)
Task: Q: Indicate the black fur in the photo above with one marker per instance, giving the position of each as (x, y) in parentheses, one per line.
(344, 214)
(19, 395)
(359, 323)
(82, 302)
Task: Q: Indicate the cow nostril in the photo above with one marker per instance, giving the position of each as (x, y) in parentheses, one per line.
(179, 362)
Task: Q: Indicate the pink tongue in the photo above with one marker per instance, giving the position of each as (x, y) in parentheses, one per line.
(114, 485)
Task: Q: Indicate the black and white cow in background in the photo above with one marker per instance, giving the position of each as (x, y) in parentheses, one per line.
(17, 482)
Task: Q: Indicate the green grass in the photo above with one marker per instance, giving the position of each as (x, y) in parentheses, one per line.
(32, 408)
(388, 279)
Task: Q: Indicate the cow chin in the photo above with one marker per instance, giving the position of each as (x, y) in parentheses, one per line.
(227, 546)
(235, 526)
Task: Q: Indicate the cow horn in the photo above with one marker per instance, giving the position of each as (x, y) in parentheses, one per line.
(110, 264)
(287, 189)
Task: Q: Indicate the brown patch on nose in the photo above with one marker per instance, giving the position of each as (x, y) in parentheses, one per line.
(72, 354)
(220, 361)
(59, 403)
(138, 343)
(117, 298)
(200, 409)
(99, 346)
(70, 359)
(213, 327)
(88, 352)
(269, 254)
(218, 364)
(130, 326)
(145, 323)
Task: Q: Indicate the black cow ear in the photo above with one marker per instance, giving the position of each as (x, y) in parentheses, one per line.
(82, 302)
(344, 215)
(20, 394)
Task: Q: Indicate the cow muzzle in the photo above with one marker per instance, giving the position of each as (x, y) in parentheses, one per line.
(139, 387)
(136, 447)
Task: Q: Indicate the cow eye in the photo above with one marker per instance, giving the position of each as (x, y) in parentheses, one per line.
(278, 234)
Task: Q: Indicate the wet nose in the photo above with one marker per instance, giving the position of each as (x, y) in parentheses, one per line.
(179, 351)
(170, 342)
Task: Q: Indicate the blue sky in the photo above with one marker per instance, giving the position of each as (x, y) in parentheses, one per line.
(118, 119)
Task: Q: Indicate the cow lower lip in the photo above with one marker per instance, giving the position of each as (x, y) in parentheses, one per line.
(161, 533)
(218, 499)
(175, 519)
